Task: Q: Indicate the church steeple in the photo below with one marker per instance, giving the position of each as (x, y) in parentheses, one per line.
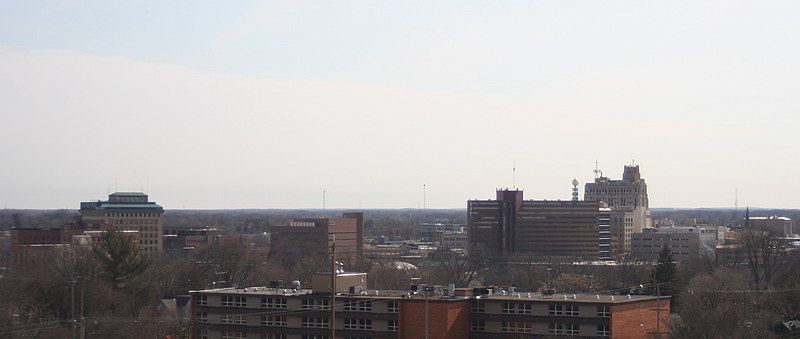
(747, 217)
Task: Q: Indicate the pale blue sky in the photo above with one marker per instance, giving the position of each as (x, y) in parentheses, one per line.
(265, 104)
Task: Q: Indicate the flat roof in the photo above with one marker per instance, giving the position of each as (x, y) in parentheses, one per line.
(570, 297)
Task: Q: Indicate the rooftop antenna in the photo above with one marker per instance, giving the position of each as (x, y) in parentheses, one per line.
(736, 203)
(424, 201)
(514, 174)
(597, 172)
(323, 200)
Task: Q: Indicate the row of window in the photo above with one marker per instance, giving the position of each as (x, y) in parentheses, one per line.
(523, 307)
(527, 327)
(133, 215)
(135, 221)
(358, 306)
(280, 320)
(307, 303)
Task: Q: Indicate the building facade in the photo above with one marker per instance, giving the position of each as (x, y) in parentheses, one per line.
(128, 211)
(683, 242)
(313, 236)
(628, 201)
(295, 313)
(511, 225)
(780, 226)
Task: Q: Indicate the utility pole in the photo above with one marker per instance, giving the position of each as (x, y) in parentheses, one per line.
(83, 319)
(72, 309)
(333, 286)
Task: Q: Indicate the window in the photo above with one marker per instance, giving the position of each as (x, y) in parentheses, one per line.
(310, 336)
(320, 322)
(603, 311)
(203, 333)
(227, 318)
(273, 320)
(555, 328)
(391, 307)
(316, 304)
(273, 302)
(201, 300)
(479, 306)
(359, 306)
(603, 331)
(555, 309)
(572, 329)
(392, 325)
(272, 336)
(240, 319)
(234, 335)
(227, 301)
(350, 323)
(202, 317)
(571, 309)
(517, 327)
(364, 324)
(511, 307)
(479, 325)
(239, 301)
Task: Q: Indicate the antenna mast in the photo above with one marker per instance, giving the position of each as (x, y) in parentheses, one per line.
(323, 200)
(514, 174)
(597, 172)
(424, 201)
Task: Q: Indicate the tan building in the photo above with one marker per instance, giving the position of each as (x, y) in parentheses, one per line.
(781, 226)
(630, 206)
(313, 236)
(128, 211)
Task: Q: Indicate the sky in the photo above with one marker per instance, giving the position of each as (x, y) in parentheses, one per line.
(207, 104)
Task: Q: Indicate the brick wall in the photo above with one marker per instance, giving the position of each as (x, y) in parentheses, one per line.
(447, 319)
(638, 320)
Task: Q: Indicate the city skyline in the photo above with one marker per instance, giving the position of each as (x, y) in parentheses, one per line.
(265, 105)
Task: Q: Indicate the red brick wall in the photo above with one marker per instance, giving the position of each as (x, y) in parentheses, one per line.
(447, 319)
(638, 320)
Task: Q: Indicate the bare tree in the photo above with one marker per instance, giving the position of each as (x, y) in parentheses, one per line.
(234, 260)
(764, 252)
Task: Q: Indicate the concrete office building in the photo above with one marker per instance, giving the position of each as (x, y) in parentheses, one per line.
(511, 225)
(685, 243)
(313, 236)
(628, 201)
(128, 211)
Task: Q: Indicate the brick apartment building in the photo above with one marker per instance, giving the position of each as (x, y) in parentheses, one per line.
(312, 236)
(511, 225)
(296, 313)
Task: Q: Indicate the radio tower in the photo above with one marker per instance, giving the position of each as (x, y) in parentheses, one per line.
(575, 189)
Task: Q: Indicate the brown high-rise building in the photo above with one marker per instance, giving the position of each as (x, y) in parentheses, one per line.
(313, 236)
(511, 225)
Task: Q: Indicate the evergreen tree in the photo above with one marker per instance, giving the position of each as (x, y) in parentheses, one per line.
(664, 270)
(119, 258)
